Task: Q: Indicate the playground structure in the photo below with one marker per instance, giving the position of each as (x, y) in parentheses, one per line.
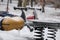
(36, 24)
(40, 25)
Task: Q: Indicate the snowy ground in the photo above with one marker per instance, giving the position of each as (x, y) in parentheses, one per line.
(25, 34)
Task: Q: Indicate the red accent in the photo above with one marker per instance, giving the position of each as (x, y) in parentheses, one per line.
(30, 17)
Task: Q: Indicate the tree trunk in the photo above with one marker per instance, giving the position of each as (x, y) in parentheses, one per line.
(7, 5)
(57, 4)
(10, 1)
(1, 0)
(19, 3)
(42, 2)
(32, 3)
(24, 3)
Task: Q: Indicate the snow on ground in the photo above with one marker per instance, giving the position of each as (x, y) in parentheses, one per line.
(25, 34)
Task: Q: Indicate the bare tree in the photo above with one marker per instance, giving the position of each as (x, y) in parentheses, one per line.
(56, 3)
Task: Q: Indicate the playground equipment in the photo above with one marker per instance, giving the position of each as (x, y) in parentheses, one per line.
(39, 25)
(40, 29)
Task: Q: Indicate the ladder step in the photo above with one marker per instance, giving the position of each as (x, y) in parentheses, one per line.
(39, 32)
(52, 37)
(39, 38)
(52, 34)
(38, 35)
(51, 30)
